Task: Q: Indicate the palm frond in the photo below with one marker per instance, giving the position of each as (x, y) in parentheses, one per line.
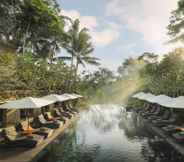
(92, 60)
(64, 58)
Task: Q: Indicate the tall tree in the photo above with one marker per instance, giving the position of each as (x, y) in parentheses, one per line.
(80, 48)
(34, 26)
(165, 77)
(176, 26)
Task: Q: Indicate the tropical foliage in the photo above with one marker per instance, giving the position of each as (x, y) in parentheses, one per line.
(32, 38)
(31, 25)
(165, 77)
(34, 34)
(176, 25)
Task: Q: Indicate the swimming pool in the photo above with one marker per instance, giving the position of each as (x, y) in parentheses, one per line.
(107, 133)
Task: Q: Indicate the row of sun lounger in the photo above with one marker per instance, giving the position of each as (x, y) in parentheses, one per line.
(40, 128)
(166, 120)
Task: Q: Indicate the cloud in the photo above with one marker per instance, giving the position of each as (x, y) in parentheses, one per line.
(148, 17)
(101, 36)
(89, 22)
(105, 36)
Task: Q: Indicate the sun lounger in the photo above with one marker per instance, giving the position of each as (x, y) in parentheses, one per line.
(41, 122)
(165, 116)
(156, 115)
(58, 114)
(169, 129)
(66, 109)
(155, 111)
(166, 122)
(73, 109)
(172, 120)
(43, 131)
(29, 132)
(49, 117)
(137, 110)
(65, 114)
(148, 110)
(145, 107)
(13, 140)
(179, 136)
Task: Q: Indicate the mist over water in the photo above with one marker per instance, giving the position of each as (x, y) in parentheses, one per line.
(101, 127)
(118, 92)
(107, 133)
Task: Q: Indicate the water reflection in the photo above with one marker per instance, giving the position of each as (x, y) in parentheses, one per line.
(109, 133)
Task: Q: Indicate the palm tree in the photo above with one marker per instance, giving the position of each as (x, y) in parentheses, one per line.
(80, 48)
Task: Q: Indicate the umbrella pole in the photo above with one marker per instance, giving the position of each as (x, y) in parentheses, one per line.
(28, 122)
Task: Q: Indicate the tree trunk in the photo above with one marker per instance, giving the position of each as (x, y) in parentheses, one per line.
(75, 76)
(69, 84)
(25, 37)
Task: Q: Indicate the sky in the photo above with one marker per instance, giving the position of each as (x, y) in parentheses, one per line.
(123, 28)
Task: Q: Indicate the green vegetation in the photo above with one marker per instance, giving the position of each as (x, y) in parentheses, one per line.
(129, 79)
(34, 34)
(176, 23)
(150, 73)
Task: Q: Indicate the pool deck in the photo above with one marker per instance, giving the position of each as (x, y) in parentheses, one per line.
(178, 147)
(22, 155)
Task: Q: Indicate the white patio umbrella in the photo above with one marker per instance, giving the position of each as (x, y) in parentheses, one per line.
(163, 100)
(77, 95)
(142, 96)
(150, 97)
(70, 96)
(26, 103)
(178, 102)
(138, 95)
(56, 97)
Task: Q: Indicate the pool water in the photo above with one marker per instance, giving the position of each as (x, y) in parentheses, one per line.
(107, 133)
